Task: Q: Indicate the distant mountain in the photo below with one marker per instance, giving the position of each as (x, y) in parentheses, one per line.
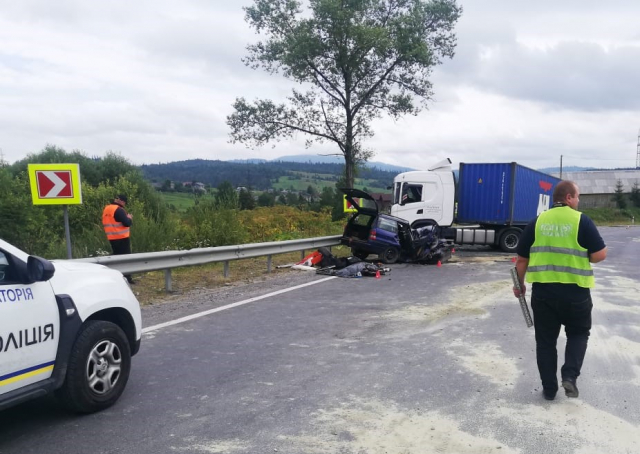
(260, 175)
(248, 161)
(317, 159)
(565, 169)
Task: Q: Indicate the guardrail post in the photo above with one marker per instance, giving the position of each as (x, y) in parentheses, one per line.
(302, 254)
(226, 269)
(167, 280)
(269, 263)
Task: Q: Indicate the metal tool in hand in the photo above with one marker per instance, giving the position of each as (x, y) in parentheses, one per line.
(521, 298)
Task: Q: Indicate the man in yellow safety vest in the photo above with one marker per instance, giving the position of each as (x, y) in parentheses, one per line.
(555, 252)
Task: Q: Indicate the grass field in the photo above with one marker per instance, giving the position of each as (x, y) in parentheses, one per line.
(302, 182)
(181, 200)
(613, 216)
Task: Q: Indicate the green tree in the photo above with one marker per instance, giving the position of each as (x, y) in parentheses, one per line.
(166, 186)
(245, 200)
(360, 59)
(327, 197)
(619, 197)
(266, 199)
(292, 198)
(41, 228)
(226, 196)
(635, 195)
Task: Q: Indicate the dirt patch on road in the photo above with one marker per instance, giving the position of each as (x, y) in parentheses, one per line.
(467, 300)
(487, 360)
(376, 427)
(591, 430)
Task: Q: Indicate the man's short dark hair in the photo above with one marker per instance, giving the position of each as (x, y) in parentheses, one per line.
(563, 189)
(123, 198)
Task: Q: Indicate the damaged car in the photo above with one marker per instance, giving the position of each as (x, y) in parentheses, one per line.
(392, 239)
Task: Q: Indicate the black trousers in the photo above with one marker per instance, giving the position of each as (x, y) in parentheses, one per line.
(549, 314)
(120, 247)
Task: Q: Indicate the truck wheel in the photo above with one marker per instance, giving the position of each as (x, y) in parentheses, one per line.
(509, 240)
(362, 255)
(98, 368)
(389, 255)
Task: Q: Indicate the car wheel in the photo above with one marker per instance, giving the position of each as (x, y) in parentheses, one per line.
(389, 255)
(98, 368)
(362, 255)
(509, 240)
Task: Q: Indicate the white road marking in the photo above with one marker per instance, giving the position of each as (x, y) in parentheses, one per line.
(229, 306)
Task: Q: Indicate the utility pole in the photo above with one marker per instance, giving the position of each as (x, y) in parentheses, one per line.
(638, 153)
(561, 166)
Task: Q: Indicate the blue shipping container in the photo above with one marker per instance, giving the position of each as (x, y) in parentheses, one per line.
(502, 194)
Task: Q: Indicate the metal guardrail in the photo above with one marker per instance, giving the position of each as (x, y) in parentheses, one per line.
(167, 260)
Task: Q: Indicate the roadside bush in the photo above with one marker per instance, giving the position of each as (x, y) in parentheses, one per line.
(284, 223)
(207, 225)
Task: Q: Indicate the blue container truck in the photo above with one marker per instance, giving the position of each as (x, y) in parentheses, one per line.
(491, 203)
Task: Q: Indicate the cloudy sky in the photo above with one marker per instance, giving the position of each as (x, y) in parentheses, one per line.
(155, 79)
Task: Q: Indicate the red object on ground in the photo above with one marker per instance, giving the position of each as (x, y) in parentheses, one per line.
(312, 259)
(378, 274)
(439, 264)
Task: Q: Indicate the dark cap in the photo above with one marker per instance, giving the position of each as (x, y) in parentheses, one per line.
(123, 198)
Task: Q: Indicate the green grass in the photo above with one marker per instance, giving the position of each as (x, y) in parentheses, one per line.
(319, 176)
(301, 183)
(181, 200)
(612, 216)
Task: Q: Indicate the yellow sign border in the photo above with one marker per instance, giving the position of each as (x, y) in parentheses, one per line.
(75, 184)
(345, 206)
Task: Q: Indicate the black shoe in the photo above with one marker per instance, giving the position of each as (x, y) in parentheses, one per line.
(549, 394)
(570, 388)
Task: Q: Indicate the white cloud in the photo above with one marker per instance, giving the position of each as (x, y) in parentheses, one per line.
(155, 80)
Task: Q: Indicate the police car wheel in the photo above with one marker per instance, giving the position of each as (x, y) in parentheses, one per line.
(98, 369)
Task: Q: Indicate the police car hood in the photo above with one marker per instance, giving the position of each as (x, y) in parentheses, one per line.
(73, 266)
(72, 274)
(94, 288)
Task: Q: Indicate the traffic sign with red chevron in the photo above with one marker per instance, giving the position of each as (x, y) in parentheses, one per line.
(55, 184)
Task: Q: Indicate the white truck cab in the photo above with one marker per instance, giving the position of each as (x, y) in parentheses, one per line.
(66, 327)
(425, 194)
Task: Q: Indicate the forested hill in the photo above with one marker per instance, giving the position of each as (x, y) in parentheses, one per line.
(255, 175)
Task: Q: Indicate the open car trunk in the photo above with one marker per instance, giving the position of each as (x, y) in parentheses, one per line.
(359, 226)
(361, 223)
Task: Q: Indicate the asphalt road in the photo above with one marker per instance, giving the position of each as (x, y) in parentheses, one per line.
(425, 360)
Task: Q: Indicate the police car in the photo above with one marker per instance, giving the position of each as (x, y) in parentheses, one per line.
(66, 327)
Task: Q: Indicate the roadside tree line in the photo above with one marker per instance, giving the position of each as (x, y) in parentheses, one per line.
(214, 221)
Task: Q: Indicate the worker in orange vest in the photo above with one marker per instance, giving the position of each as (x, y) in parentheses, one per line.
(117, 223)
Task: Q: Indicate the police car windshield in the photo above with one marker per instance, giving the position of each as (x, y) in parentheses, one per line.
(6, 247)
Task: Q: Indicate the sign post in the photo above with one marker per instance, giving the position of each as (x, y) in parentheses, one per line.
(56, 184)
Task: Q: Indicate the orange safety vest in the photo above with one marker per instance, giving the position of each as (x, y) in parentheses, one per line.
(114, 230)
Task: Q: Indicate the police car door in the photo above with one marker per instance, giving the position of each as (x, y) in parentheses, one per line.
(29, 325)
